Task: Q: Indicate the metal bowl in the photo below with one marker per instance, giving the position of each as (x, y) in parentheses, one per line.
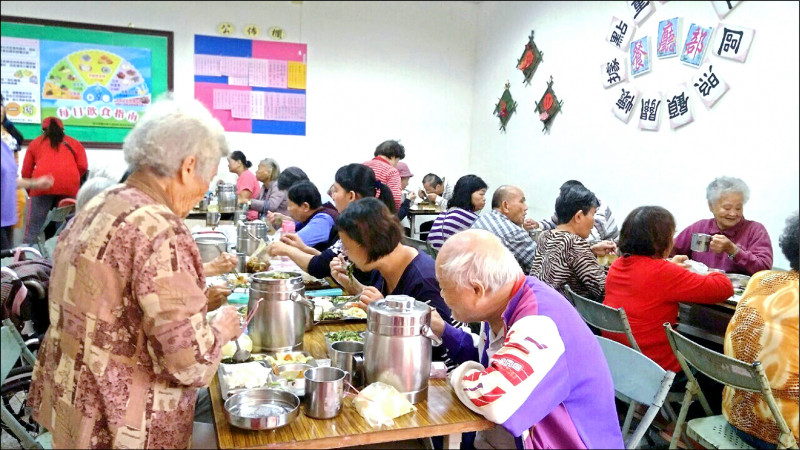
(738, 280)
(262, 409)
(291, 376)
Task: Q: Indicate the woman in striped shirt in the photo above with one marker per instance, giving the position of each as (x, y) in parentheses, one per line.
(469, 197)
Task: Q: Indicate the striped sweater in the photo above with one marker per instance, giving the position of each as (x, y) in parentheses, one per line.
(566, 258)
(388, 175)
(449, 223)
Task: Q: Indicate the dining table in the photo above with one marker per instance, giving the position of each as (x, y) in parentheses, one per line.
(421, 209)
(442, 414)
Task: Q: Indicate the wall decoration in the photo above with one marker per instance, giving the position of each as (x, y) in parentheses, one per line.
(548, 106)
(650, 111)
(640, 10)
(723, 8)
(225, 28)
(696, 42)
(252, 86)
(251, 30)
(620, 33)
(667, 41)
(614, 71)
(678, 109)
(640, 56)
(624, 106)
(530, 59)
(709, 87)
(505, 107)
(732, 42)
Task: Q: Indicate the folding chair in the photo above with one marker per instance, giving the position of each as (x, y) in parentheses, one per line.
(603, 317)
(715, 431)
(638, 379)
(56, 215)
(13, 349)
(419, 245)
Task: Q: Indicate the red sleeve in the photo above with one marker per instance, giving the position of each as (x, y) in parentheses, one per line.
(683, 285)
(395, 187)
(30, 159)
(80, 154)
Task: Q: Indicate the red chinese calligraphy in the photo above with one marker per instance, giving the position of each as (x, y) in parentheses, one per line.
(667, 42)
(638, 55)
(695, 45)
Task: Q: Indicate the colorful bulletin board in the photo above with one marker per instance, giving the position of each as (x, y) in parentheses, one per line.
(97, 79)
(252, 86)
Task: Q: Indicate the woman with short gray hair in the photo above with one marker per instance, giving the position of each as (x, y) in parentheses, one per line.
(737, 245)
(129, 343)
(270, 198)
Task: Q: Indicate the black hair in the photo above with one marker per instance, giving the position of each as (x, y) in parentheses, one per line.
(290, 176)
(574, 199)
(432, 179)
(372, 225)
(790, 241)
(305, 192)
(647, 231)
(11, 128)
(568, 184)
(54, 133)
(361, 180)
(390, 149)
(462, 192)
(239, 156)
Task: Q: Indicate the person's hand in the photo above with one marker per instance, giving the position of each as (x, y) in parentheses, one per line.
(437, 323)
(720, 243)
(530, 224)
(293, 240)
(431, 197)
(680, 260)
(603, 248)
(217, 296)
(411, 197)
(223, 263)
(279, 248)
(339, 272)
(368, 295)
(226, 322)
(43, 182)
(422, 194)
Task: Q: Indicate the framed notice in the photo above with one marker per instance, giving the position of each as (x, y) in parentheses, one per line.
(97, 79)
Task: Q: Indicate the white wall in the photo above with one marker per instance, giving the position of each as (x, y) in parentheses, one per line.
(376, 71)
(752, 132)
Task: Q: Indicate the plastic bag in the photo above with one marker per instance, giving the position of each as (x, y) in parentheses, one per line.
(379, 404)
(259, 260)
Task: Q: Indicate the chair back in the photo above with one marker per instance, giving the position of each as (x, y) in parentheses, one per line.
(603, 317)
(637, 378)
(422, 246)
(56, 215)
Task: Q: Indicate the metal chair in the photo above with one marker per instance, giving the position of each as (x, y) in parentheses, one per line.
(715, 431)
(56, 215)
(638, 379)
(419, 245)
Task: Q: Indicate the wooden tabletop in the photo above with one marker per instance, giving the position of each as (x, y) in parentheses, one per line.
(441, 414)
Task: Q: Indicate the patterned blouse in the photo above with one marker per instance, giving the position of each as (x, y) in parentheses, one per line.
(765, 328)
(129, 344)
(565, 258)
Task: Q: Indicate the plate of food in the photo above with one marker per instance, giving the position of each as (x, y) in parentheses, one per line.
(344, 335)
(281, 358)
(235, 378)
(336, 309)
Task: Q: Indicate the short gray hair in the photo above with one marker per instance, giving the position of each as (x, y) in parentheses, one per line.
(493, 267)
(275, 169)
(171, 131)
(726, 185)
(90, 189)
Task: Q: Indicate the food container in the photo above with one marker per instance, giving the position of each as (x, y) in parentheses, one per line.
(324, 392)
(291, 377)
(210, 244)
(258, 375)
(349, 356)
(212, 218)
(280, 321)
(226, 197)
(203, 204)
(249, 234)
(738, 281)
(397, 345)
(262, 409)
(700, 242)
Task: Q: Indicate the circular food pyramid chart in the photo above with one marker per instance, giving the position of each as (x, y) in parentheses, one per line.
(96, 76)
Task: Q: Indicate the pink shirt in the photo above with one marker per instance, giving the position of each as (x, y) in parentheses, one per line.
(247, 181)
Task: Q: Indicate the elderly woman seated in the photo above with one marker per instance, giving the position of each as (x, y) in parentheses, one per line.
(649, 287)
(469, 198)
(370, 236)
(270, 197)
(129, 343)
(738, 245)
(562, 254)
(765, 328)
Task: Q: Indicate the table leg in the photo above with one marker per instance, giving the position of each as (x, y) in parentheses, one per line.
(411, 218)
(452, 441)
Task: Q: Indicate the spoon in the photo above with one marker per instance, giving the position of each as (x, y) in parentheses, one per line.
(240, 355)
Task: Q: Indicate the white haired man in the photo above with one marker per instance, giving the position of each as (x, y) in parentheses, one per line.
(537, 370)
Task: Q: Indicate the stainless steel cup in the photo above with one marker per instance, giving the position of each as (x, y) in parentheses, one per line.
(241, 262)
(212, 218)
(349, 356)
(700, 242)
(324, 392)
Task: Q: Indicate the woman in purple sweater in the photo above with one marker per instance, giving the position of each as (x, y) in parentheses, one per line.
(469, 197)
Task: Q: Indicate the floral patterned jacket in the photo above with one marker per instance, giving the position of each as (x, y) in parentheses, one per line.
(128, 343)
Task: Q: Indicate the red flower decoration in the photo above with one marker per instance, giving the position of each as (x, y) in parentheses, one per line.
(548, 101)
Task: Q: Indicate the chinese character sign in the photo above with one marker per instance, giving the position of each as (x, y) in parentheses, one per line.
(708, 85)
(626, 100)
(19, 61)
(667, 42)
(649, 111)
(723, 8)
(620, 33)
(677, 102)
(614, 71)
(732, 42)
(694, 49)
(640, 56)
(640, 10)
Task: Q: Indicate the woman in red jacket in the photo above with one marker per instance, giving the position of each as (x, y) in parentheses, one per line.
(649, 287)
(56, 154)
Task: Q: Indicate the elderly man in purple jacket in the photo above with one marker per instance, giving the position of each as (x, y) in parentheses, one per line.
(538, 370)
(738, 245)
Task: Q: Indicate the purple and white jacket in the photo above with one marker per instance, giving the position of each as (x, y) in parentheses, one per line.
(549, 384)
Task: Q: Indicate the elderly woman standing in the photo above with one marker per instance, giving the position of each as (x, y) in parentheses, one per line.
(129, 342)
(270, 198)
(738, 245)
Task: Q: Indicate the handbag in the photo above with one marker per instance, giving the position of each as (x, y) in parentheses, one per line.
(85, 175)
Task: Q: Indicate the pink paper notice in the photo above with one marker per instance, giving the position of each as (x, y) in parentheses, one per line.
(284, 51)
(286, 107)
(204, 92)
(207, 65)
(268, 73)
(234, 67)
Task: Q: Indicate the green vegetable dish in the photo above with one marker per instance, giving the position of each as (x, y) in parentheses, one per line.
(336, 336)
(331, 315)
(280, 276)
(341, 299)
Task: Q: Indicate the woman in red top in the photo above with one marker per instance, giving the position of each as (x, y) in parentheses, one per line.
(247, 184)
(649, 287)
(60, 156)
